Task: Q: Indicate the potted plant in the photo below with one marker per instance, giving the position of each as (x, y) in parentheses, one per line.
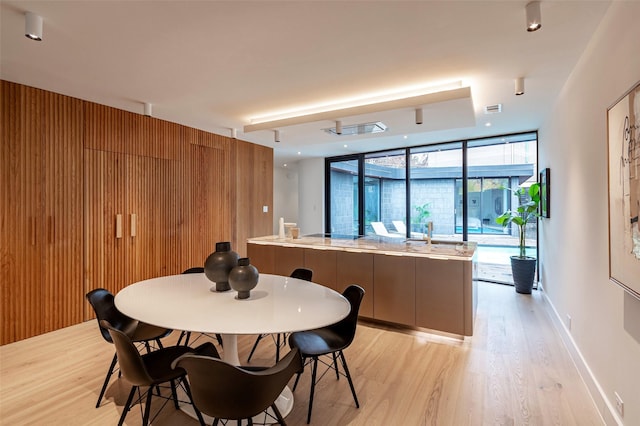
(421, 218)
(523, 267)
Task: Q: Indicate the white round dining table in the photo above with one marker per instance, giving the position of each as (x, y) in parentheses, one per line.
(189, 302)
(278, 304)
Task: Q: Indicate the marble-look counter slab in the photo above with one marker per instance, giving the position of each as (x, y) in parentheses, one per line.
(377, 245)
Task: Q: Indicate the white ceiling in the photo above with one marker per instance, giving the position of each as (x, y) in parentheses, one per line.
(214, 65)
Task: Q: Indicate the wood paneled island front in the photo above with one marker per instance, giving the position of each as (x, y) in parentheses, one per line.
(407, 282)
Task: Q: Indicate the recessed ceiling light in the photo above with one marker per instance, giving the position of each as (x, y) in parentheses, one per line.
(405, 137)
(345, 145)
(299, 153)
(284, 165)
(487, 124)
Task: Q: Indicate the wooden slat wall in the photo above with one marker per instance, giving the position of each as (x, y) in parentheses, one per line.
(254, 166)
(69, 166)
(21, 226)
(63, 230)
(206, 195)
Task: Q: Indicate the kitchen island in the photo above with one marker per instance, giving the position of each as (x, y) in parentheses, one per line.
(407, 282)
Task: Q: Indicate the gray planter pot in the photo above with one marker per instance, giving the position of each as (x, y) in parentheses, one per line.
(523, 270)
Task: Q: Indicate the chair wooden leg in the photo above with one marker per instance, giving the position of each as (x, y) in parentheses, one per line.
(147, 408)
(313, 387)
(106, 379)
(346, 370)
(127, 406)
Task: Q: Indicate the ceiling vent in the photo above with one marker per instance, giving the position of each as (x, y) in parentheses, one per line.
(493, 109)
(359, 129)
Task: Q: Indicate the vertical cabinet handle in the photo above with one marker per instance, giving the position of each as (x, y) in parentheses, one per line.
(134, 222)
(118, 226)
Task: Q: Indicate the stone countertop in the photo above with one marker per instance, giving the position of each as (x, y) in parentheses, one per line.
(378, 245)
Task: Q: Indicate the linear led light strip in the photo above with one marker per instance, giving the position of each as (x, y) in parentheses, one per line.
(363, 105)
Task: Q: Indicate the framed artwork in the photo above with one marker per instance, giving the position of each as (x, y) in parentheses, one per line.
(623, 128)
(545, 196)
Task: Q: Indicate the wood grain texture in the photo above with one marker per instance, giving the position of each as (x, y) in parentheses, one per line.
(69, 166)
(515, 370)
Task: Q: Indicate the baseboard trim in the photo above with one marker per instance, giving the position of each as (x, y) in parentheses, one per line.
(607, 411)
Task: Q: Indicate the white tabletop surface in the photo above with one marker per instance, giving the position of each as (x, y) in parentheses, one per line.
(278, 304)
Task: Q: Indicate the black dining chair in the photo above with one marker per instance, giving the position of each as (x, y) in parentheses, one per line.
(224, 391)
(102, 302)
(152, 370)
(331, 340)
(280, 339)
(187, 334)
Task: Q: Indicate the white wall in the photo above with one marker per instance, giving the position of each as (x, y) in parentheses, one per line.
(311, 197)
(605, 326)
(285, 196)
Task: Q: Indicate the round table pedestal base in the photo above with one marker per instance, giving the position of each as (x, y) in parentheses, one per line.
(284, 404)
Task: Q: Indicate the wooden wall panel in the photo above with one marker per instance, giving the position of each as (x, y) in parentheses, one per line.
(63, 290)
(254, 189)
(206, 196)
(69, 166)
(21, 232)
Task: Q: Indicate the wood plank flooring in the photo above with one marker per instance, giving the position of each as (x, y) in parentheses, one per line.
(513, 371)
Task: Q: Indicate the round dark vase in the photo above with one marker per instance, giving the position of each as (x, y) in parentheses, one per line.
(523, 270)
(219, 264)
(243, 278)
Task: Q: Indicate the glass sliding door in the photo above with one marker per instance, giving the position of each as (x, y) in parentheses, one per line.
(385, 189)
(343, 197)
(434, 171)
(496, 165)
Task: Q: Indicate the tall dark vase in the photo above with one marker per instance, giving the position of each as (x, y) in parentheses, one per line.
(243, 278)
(523, 270)
(219, 264)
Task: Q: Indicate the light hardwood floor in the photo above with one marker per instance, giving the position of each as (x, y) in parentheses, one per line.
(513, 371)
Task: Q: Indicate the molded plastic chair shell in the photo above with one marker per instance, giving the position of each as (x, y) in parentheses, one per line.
(330, 340)
(151, 369)
(224, 391)
(280, 338)
(102, 302)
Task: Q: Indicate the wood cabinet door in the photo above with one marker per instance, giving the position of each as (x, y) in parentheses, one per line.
(206, 212)
(62, 149)
(131, 219)
(21, 233)
(323, 265)
(394, 283)
(286, 259)
(356, 268)
(440, 295)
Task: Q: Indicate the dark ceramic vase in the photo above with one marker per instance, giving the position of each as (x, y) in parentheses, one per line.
(219, 264)
(243, 278)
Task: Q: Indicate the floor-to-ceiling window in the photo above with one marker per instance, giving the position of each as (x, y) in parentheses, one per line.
(433, 172)
(460, 187)
(385, 192)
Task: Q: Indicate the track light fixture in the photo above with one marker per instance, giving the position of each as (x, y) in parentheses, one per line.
(147, 109)
(33, 26)
(418, 115)
(234, 133)
(519, 90)
(534, 20)
(338, 127)
(276, 135)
